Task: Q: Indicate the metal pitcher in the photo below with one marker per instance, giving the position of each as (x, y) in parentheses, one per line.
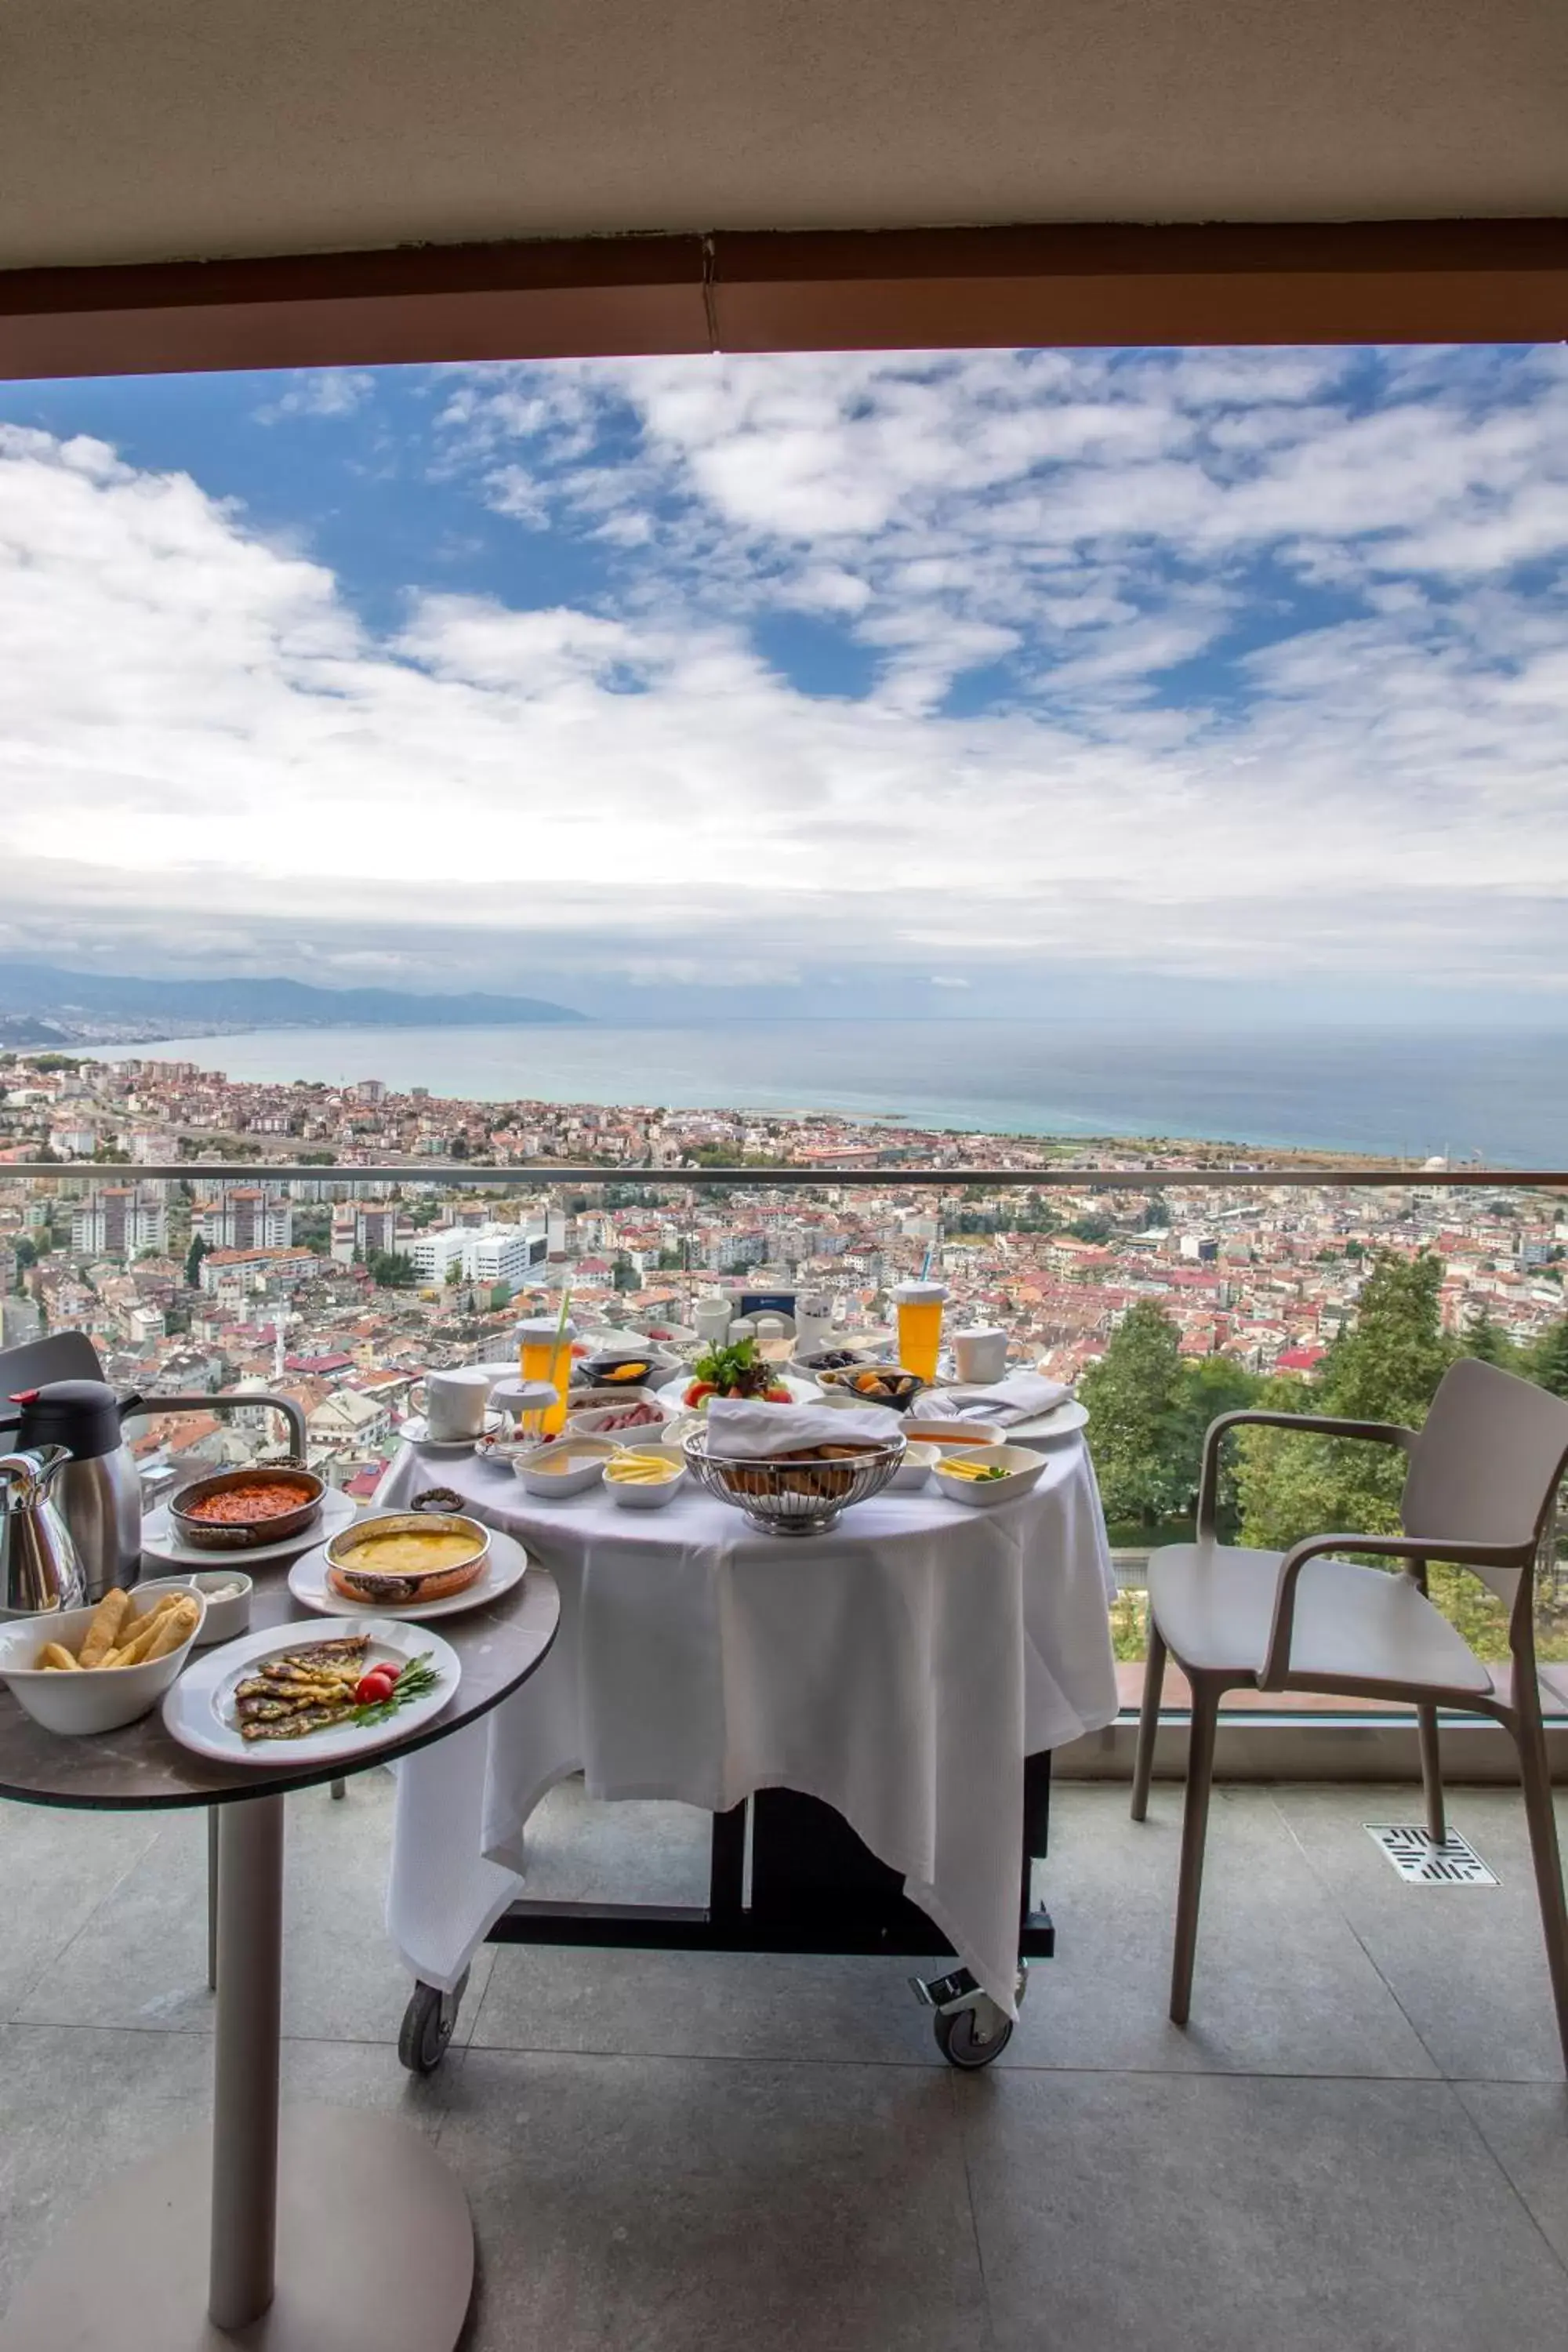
(40, 1568)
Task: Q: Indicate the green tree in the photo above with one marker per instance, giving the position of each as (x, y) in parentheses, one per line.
(1094, 1227)
(26, 1250)
(1206, 1386)
(1547, 1361)
(390, 1270)
(193, 1256)
(1487, 1340)
(1132, 1396)
(625, 1275)
(1384, 1365)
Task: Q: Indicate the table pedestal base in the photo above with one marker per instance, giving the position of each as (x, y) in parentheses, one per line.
(375, 2252)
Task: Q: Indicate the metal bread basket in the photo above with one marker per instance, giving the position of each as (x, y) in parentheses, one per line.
(800, 1497)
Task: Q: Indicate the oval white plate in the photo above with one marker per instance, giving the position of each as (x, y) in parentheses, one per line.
(159, 1541)
(199, 1711)
(505, 1567)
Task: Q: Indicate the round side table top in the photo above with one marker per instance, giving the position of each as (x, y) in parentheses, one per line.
(143, 1769)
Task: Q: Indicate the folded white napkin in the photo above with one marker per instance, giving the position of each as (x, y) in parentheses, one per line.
(1019, 1397)
(740, 1429)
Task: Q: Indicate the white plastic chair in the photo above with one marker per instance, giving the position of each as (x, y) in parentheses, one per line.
(1483, 1475)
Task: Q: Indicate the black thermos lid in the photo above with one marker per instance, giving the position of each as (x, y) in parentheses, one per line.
(81, 1415)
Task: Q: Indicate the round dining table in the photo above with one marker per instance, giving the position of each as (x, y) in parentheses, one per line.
(312, 2228)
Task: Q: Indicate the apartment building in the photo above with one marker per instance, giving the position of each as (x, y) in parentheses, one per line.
(118, 1221)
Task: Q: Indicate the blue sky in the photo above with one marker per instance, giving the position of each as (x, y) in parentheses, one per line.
(1164, 683)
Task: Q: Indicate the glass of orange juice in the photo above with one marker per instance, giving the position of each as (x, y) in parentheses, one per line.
(545, 1354)
(920, 1305)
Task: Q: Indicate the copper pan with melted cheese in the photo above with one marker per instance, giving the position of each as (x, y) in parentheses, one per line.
(407, 1556)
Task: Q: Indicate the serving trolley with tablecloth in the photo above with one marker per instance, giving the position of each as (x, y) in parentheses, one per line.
(868, 1714)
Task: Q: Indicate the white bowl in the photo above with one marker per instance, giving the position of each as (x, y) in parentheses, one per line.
(949, 1436)
(540, 1473)
(914, 1471)
(1019, 1466)
(589, 1411)
(99, 1698)
(648, 1498)
(225, 1618)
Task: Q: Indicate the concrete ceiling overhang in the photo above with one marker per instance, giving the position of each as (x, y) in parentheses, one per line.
(358, 179)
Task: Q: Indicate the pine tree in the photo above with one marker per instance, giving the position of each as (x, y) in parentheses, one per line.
(1130, 1394)
(1385, 1367)
(1547, 1361)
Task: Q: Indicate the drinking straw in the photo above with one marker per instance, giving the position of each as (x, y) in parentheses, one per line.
(926, 1267)
(561, 1326)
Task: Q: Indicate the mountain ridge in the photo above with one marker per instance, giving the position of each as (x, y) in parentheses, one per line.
(79, 1006)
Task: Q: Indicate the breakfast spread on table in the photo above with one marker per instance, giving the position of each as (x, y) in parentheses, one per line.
(791, 1456)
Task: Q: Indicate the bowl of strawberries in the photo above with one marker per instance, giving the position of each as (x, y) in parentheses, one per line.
(735, 1370)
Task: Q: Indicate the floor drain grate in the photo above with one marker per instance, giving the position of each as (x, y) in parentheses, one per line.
(1422, 1862)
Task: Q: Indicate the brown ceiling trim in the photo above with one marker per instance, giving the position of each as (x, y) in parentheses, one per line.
(588, 297)
(1372, 282)
(1449, 282)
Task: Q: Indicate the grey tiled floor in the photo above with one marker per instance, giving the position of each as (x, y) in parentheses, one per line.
(1362, 2139)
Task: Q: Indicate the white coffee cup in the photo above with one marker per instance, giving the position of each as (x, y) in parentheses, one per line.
(455, 1401)
(981, 1355)
(710, 1320)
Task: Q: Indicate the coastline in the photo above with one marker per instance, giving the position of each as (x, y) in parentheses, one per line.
(1495, 1100)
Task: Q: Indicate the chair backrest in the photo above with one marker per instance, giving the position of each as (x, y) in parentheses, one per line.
(1486, 1463)
(62, 1356)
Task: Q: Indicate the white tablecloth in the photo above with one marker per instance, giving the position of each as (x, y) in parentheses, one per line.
(900, 1669)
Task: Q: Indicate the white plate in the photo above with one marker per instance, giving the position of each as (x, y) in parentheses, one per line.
(413, 1433)
(503, 1568)
(199, 1711)
(159, 1541)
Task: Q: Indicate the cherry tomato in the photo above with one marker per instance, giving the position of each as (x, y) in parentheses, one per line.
(376, 1685)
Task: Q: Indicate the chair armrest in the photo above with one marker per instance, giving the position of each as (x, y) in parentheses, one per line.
(225, 1400)
(1416, 1548)
(1378, 1432)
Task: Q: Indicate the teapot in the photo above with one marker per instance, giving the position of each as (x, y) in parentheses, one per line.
(40, 1568)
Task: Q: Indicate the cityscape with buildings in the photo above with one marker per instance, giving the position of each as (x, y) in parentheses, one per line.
(342, 1289)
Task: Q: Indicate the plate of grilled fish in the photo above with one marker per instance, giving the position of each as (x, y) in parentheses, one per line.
(291, 1696)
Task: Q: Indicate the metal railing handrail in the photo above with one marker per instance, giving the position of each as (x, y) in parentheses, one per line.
(1245, 1176)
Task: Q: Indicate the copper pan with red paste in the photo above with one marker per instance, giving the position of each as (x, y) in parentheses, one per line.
(236, 1510)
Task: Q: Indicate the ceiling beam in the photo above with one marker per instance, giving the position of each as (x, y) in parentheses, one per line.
(1388, 281)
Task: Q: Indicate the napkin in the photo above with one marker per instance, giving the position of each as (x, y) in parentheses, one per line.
(742, 1429)
(1019, 1397)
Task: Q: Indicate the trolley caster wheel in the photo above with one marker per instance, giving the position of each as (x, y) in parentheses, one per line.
(428, 2022)
(959, 2036)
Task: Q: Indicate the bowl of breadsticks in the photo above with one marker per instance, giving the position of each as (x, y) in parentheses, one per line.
(80, 1671)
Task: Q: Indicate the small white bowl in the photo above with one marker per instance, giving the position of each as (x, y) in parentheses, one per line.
(590, 1412)
(1019, 1466)
(633, 1497)
(950, 1436)
(227, 1611)
(542, 1472)
(97, 1698)
(914, 1471)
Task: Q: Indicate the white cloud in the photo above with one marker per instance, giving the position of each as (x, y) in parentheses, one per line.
(204, 749)
(320, 392)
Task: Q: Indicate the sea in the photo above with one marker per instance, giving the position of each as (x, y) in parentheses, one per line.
(1500, 1097)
